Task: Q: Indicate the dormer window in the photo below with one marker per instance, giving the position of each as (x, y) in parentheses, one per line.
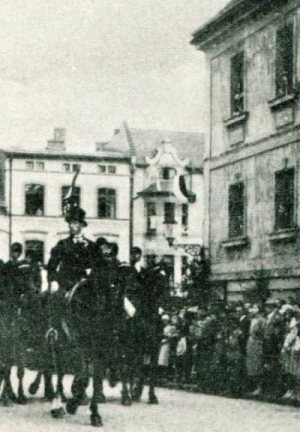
(166, 173)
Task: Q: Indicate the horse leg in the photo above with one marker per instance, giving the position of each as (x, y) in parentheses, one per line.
(34, 386)
(60, 386)
(126, 399)
(58, 410)
(153, 370)
(7, 385)
(8, 396)
(49, 390)
(83, 377)
(96, 419)
(21, 396)
(78, 390)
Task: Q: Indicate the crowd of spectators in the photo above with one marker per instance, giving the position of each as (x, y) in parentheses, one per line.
(240, 350)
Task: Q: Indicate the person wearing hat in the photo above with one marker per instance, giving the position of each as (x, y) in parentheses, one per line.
(72, 258)
(17, 280)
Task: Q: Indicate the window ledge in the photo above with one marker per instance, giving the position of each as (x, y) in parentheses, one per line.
(237, 120)
(282, 101)
(150, 233)
(289, 234)
(235, 242)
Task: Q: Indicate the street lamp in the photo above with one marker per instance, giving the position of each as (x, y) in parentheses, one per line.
(193, 249)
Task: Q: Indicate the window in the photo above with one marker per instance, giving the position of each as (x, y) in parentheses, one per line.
(166, 173)
(112, 169)
(101, 169)
(236, 210)
(34, 200)
(169, 209)
(169, 262)
(284, 199)
(76, 196)
(184, 264)
(284, 60)
(151, 218)
(106, 203)
(150, 260)
(67, 167)
(40, 166)
(35, 248)
(76, 167)
(237, 84)
(29, 165)
(185, 215)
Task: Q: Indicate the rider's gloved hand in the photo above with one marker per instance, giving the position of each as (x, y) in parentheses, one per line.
(54, 287)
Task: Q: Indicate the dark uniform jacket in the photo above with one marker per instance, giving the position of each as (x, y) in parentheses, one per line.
(17, 281)
(70, 260)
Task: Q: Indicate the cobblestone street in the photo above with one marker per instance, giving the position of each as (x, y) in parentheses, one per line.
(178, 411)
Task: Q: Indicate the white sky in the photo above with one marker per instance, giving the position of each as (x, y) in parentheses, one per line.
(88, 64)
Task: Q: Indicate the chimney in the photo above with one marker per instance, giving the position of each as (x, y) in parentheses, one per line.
(101, 146)
(57, 144)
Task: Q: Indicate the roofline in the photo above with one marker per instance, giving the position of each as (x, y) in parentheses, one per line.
(23, 154)
(228, 14)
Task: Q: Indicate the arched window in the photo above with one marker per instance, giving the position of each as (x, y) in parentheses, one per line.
(34, 200)
(106, 203)
(35, 248)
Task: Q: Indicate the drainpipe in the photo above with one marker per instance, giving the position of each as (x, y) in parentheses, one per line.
(10, 206)
(131, 200)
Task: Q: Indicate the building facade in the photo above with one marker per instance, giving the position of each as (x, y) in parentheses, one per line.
(33, 184)
(167, 193)
(252, 211)
(138, 188)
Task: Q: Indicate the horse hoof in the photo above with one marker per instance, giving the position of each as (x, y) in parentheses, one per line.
(63, 398)
(100, 398)
(58, 413)
(84, 400)
(71, 406)
(7, 403)
(96, 420)
(153, 400)
(135, 397)
(22, 400)
(33, 388)
(49, 396)
(126, 400)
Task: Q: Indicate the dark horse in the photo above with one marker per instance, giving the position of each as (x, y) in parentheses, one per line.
(98, 326)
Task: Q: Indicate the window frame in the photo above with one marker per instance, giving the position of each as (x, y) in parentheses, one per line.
(31, 163)
(241, 94)
(111, 169)
(293, 224)
(26, 213)
(166, 219)
(185, 215)
(243, 232)
(290, 21)
(114, 212)
(150, 230)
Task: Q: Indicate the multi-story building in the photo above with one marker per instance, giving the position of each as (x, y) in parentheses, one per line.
(167, 192)
(252, 160)
(33, 184)
(137, 188)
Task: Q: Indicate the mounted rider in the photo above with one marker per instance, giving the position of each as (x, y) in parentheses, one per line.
(72, 258)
